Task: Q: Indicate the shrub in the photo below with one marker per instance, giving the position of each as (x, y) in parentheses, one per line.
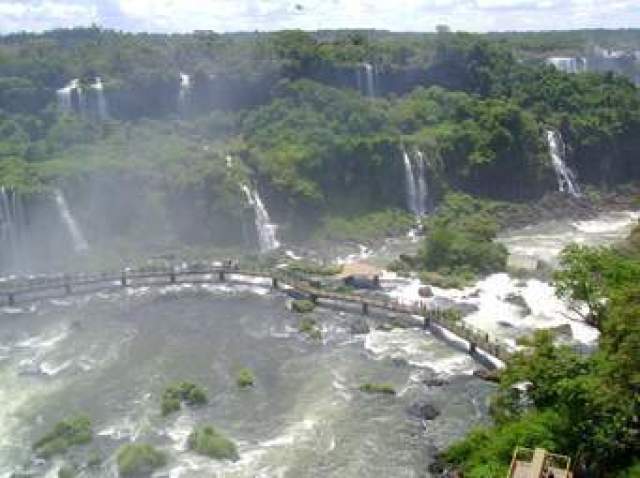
(65, 434)
(245, 378)
(315, 269)
(177, 393)
(310, 328)
(209, 442)
(136, 459)
(66, 472)
(302, 306)
(380, 388)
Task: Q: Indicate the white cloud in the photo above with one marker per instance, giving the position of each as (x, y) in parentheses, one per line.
(402, 15)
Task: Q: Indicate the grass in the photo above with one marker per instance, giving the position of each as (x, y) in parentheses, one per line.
(209, 442)
(310, 328)
(177, 393)
(245, 378)
(375, 225)
(65, 434)
(302, 306)
(135, 459)
(378, 388)
(311, 268)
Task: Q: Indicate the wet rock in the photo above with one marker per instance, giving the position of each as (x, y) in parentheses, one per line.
(487, 375)
(360, 327)
(520, 302)
(399, 362)
(563, 331)
(505, 324)
(435, 382)
(423, 411)
(425, 292)
(362, 282)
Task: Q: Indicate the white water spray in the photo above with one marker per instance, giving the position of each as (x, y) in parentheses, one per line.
(64, 96)
(103, 112)
(267, 231)
(11, 225)
(569, 64)
(79, 242)
(566, 178)
(183, 94)
(416, 183)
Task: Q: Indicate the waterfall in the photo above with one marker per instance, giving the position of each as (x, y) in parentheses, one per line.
(265, 228)
(569, 64)
(183, 95)
(64, 96)
(103, 112)
(566, 178)
(79, 242)
(11, 224)
(365, 79)
(416, 182)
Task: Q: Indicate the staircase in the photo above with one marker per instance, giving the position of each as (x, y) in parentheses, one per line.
(539, 463)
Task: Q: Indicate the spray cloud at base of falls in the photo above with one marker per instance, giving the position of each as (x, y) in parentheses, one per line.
(80, 244)
(266, 230)
(566, 178)
(416, 182)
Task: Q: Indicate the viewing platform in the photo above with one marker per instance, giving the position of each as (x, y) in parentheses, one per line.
(539, 463)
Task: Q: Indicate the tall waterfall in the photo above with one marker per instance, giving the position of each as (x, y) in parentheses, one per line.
(416, 182)
(103, 112)
(79, 242)
(365, 78)
(183, 95)
(65, 102)
(267, 231)
(566, 178)
(569, 64)
(11, 225)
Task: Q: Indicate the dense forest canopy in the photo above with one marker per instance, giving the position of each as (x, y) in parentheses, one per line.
(318, 120)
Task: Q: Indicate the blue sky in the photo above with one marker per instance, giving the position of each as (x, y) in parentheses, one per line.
(398, 15)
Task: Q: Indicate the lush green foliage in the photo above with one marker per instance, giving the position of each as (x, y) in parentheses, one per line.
(303, 306)
(177, 393)
(209, 442)
(585, 406)
(139, 459)
(459, 240)
(310, 328)
(65, 434)
(379, 388)
(245, 378)
(312, 268)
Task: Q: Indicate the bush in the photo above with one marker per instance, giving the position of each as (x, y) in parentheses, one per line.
(245, 378)
(67, 433)
(177, 393)
(315, 269)
(136, 459)
(379, 388)
(302, 306)
(209, 442)
(66, 472)
(310, 328)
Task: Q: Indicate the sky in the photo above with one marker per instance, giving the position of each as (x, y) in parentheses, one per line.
(250, 15)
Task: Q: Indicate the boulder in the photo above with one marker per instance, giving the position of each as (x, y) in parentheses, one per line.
(563, 331)
(425, 292)
(360, 327)
(435, 382)
(518, 301)
(362, 282)
(487, 375)
(423, 411)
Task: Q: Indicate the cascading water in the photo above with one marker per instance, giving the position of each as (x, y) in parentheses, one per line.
(80, 244)
(11, 225)
(365, 79)
(267, 231)
(566, 178)
(64, 96)
(569, 64)
(416, 187)
(103, 112)
(183, 95)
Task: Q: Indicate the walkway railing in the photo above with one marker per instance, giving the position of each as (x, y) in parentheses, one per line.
(438, 321)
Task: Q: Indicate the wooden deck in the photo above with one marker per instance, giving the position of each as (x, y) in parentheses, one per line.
(441, 322)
